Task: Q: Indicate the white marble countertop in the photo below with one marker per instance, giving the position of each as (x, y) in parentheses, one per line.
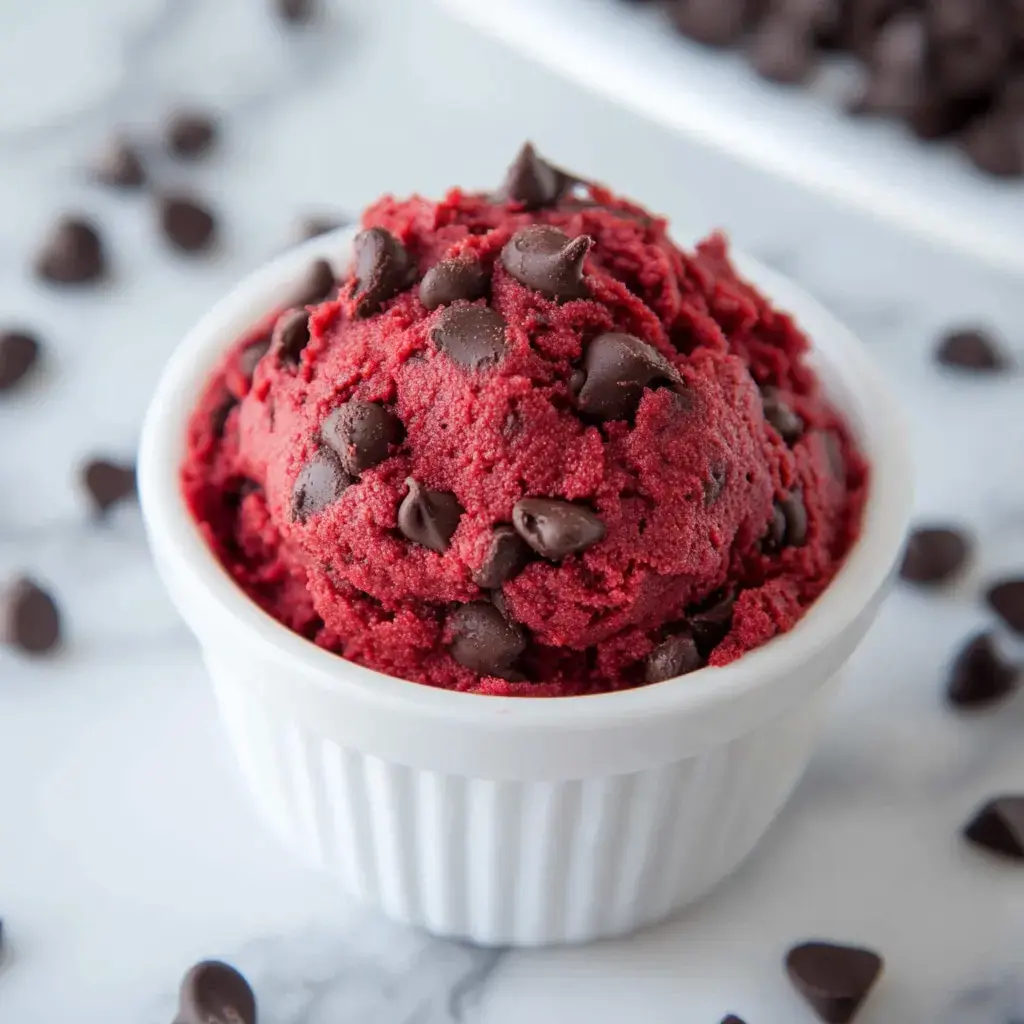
(127, 848)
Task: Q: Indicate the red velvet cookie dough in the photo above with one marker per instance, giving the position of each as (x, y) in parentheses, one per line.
(529, 447)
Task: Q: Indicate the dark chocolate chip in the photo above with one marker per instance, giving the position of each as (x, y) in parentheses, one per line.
(835, 980)
(1006, 599)
(186, 223)
(250, 356)
(532, 182)
(934, 555)
(449, 280)
(361, 434)
(617, 368)
(711, 621)
(72, 254)
(429, 517)
(215, 993)
(995, 144)
(969, 47)
(19, 353)
(711, 22)
(555, 529)
(970, 349)
(777, 412)
(382, 269)
(732, 1019)
(548, 261)
(506, 555)
(484, 641)
(999, 827)
(782, 50)
(190, 134)
(317, 284)
(896, 69)
(673, 657)
(290, 336)
(788, 526)
(316, 225)
(980, 676)
(120, 166)
(320, 483)
(108, 483)
(29, 619)
(296, 12)
(473, 336)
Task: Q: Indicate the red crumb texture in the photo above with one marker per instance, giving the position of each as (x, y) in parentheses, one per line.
(676, 540)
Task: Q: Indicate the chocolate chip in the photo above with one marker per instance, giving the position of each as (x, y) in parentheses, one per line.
(19, 353)
(710, 621)
(834, 979)
(970, 349)
(896, 69)
(382, 269)
(429, 517)
(250, 356)
(473, 336)
(711, 22)
(506, 555)
(296, 12)
(187, 224)
(673, 657)
(120, 166)
(484, 641)
(320, 483)
(968, 47)
(782, 50)
(617, 369)
(980, 676)
(999, 827)
(995, 144)
(317, 284)
(29, 619)
(290, 336)
(788, 527)
(934, 555)
(777, 412)
(190, 134)
(316, 225)
(555, 529)
(532, 182)
(361, 434)
(72, 254)
(732, 1019)
(215, 993)
(548, 261)
(449, 280)
(1006, 599)
(108, 483)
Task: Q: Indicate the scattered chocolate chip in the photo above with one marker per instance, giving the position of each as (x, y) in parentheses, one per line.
(788, 526)
(473, 336)
(29, 619)
(449, 280)
(777, 412)
(108, 483)
(215, 993)
(320, 483)
(484, 641)
(187, 224)
(19, 353)
(732, 1019)
(382, 269)
(506, 555)
(617, 368)
(545, 259)
(120, 166)
(1006, 599)
(315, 226)
(673, 657)
(250, 356)
(711, 621)
(317, 284)
(290, 336)
(361, 434)
(999, 827)
(429, 517)
(72, 254)
(834, 979)
(970, 349)
(711, 22)
(782, 50)
(934, 556)
(555, 529)
(532, 182)
(296, 12)
(980, 676)
(190, 134)
(896, 82)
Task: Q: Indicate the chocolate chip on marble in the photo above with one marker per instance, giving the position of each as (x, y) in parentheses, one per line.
(617, 368)
(833, 979)
(19, 353)
(472, 336)
(711, 22)
(777, 412)
(1006, 599)
(675, 656)
(361, 434)
(532, 182)
(190, 134)
(461, 278)
(970, 348)
(980, 676)
(507, 553)
(119, 165)
(934, 555)
(429, 518)
(556, 529)
(213, 992)
(296, 12)
(290, 336)
(484, 640)
(29, 618)
(998, 827)
(73, 253)
(250, 356)
(187, 224)
(321, 482)
(108, 483)
(317, 284)
(782, 50)
(382, 269)
(545, 259)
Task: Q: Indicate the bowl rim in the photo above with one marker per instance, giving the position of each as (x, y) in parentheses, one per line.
(866, 402)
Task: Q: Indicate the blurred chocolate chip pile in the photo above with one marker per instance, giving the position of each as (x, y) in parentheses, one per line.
(946, 68)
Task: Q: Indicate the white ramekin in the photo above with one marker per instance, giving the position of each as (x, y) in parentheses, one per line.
(505, 820)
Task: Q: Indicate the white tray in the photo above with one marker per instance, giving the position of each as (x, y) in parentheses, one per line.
(629, 53)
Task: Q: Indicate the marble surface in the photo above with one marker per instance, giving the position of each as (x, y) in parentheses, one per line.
(127, 847)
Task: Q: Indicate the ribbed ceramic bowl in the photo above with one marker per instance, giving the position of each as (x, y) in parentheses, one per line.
(509, 820)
